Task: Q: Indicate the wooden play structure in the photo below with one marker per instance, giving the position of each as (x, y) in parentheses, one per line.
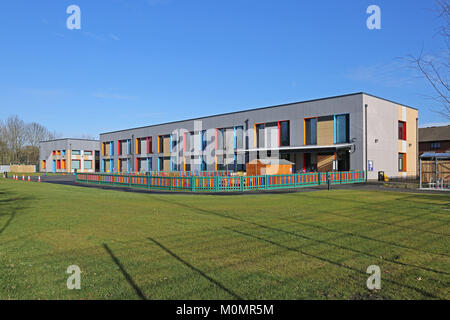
(261, 167)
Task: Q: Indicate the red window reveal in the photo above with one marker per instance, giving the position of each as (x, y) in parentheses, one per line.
(402, 130)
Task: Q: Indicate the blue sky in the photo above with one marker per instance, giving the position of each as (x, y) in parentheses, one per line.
(141, 62)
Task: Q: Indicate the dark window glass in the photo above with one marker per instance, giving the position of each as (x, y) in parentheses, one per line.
(260, 136)
(342, 128)
(311, 131)
(285, 135)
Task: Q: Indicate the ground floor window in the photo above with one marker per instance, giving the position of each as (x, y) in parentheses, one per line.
(75, 164)
(88, 164)
(402, 162)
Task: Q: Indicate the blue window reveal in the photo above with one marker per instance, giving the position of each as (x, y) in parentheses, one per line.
(341, 128)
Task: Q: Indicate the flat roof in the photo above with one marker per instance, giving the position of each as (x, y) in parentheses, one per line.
(261, 108)
(60, 139)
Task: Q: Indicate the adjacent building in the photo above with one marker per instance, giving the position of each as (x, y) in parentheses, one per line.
(68, 155)
(350, 132)
(434, 139)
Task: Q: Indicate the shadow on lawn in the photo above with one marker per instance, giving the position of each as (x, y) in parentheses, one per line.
(422, 292)
(125, 273)
(309, 238)
(11, 205)
(351, 234)
(218, 284)
(367, 205)
(210, 212)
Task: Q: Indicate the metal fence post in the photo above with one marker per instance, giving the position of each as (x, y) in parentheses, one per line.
(216, 183)
(241, 183)
(328, 180)
(192, 183)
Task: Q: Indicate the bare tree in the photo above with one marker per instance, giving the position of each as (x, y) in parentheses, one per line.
(36, 132)
(4, 158)
(15, 136)
(435, 68)
(19, 142)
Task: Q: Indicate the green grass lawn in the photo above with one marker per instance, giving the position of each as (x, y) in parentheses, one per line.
(311, 245)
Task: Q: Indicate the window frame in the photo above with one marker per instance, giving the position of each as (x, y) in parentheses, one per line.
(402, 167)
(280, 133)
(402, 133)
(304, 131)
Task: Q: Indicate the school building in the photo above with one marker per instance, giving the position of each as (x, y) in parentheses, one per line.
(68, 155)
(349, 132)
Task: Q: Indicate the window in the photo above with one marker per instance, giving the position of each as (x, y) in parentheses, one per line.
(44, 164)
(149, 145)
(149, 164)
(310, 129)
(129, 146)
(284, 134)
(88, 164)
(402, 130)
(239, 137)
(260, 139)
(341, 128)
(76, 152)
(203, 140)
(75, 164)
(220, 139)
(402, 162)
(160, 144)
(63, 152)
(54, 153)
(87, 153)
(202, 163)
(435, 145)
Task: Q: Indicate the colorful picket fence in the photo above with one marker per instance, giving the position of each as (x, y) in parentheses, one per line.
(219, 183)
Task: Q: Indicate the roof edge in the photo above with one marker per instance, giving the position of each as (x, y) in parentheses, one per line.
(61, 139)
(260, 108)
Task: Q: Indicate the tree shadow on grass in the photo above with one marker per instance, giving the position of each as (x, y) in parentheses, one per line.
(210, 212)
(361, 236)
(11, 205)
(215, 282)
(328, 243)
(125, 273)
(336, 263)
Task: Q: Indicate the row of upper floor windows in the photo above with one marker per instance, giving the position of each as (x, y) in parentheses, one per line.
(73, 152)
(269, 134)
